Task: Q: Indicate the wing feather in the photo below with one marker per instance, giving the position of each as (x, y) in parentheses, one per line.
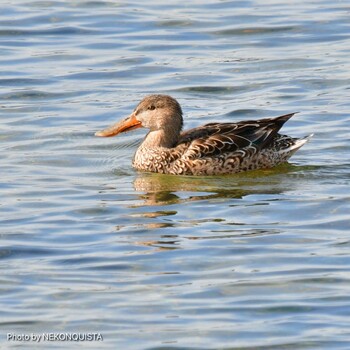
(220, 138)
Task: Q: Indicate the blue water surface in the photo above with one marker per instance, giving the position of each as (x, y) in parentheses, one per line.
(257, 260)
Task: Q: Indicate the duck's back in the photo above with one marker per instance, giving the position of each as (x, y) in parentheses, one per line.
(226, 148)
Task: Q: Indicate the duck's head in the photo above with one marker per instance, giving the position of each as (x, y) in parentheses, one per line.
(155, 112)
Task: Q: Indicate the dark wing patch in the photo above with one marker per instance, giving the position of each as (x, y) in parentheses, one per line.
(220, 138)
(215, 145)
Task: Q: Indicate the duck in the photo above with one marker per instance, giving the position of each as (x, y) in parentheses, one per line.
(210, 149)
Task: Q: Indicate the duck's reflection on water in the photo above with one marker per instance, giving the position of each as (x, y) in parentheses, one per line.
(159, 189)
(164, 224)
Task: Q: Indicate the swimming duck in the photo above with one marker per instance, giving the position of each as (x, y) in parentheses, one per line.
(211, 149)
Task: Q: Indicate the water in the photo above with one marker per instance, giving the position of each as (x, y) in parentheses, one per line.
(251, 261)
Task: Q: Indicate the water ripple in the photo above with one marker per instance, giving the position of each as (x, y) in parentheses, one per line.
(256, 260)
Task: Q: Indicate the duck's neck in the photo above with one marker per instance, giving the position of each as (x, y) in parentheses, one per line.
(160, 139)
(152, 154)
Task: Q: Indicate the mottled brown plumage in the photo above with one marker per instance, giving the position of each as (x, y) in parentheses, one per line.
(211, 149)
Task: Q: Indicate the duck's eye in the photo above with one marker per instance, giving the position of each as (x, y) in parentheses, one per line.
(152, 108)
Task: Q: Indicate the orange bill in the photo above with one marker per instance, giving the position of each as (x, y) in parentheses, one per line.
(125, 125)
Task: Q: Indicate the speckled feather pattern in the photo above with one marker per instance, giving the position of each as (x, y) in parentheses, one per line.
(211, 149)
(221, 148)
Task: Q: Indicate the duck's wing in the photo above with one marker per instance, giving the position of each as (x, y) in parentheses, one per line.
(220, 138)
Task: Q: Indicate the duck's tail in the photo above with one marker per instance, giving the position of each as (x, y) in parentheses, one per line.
(293, 144)
(300, 142)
